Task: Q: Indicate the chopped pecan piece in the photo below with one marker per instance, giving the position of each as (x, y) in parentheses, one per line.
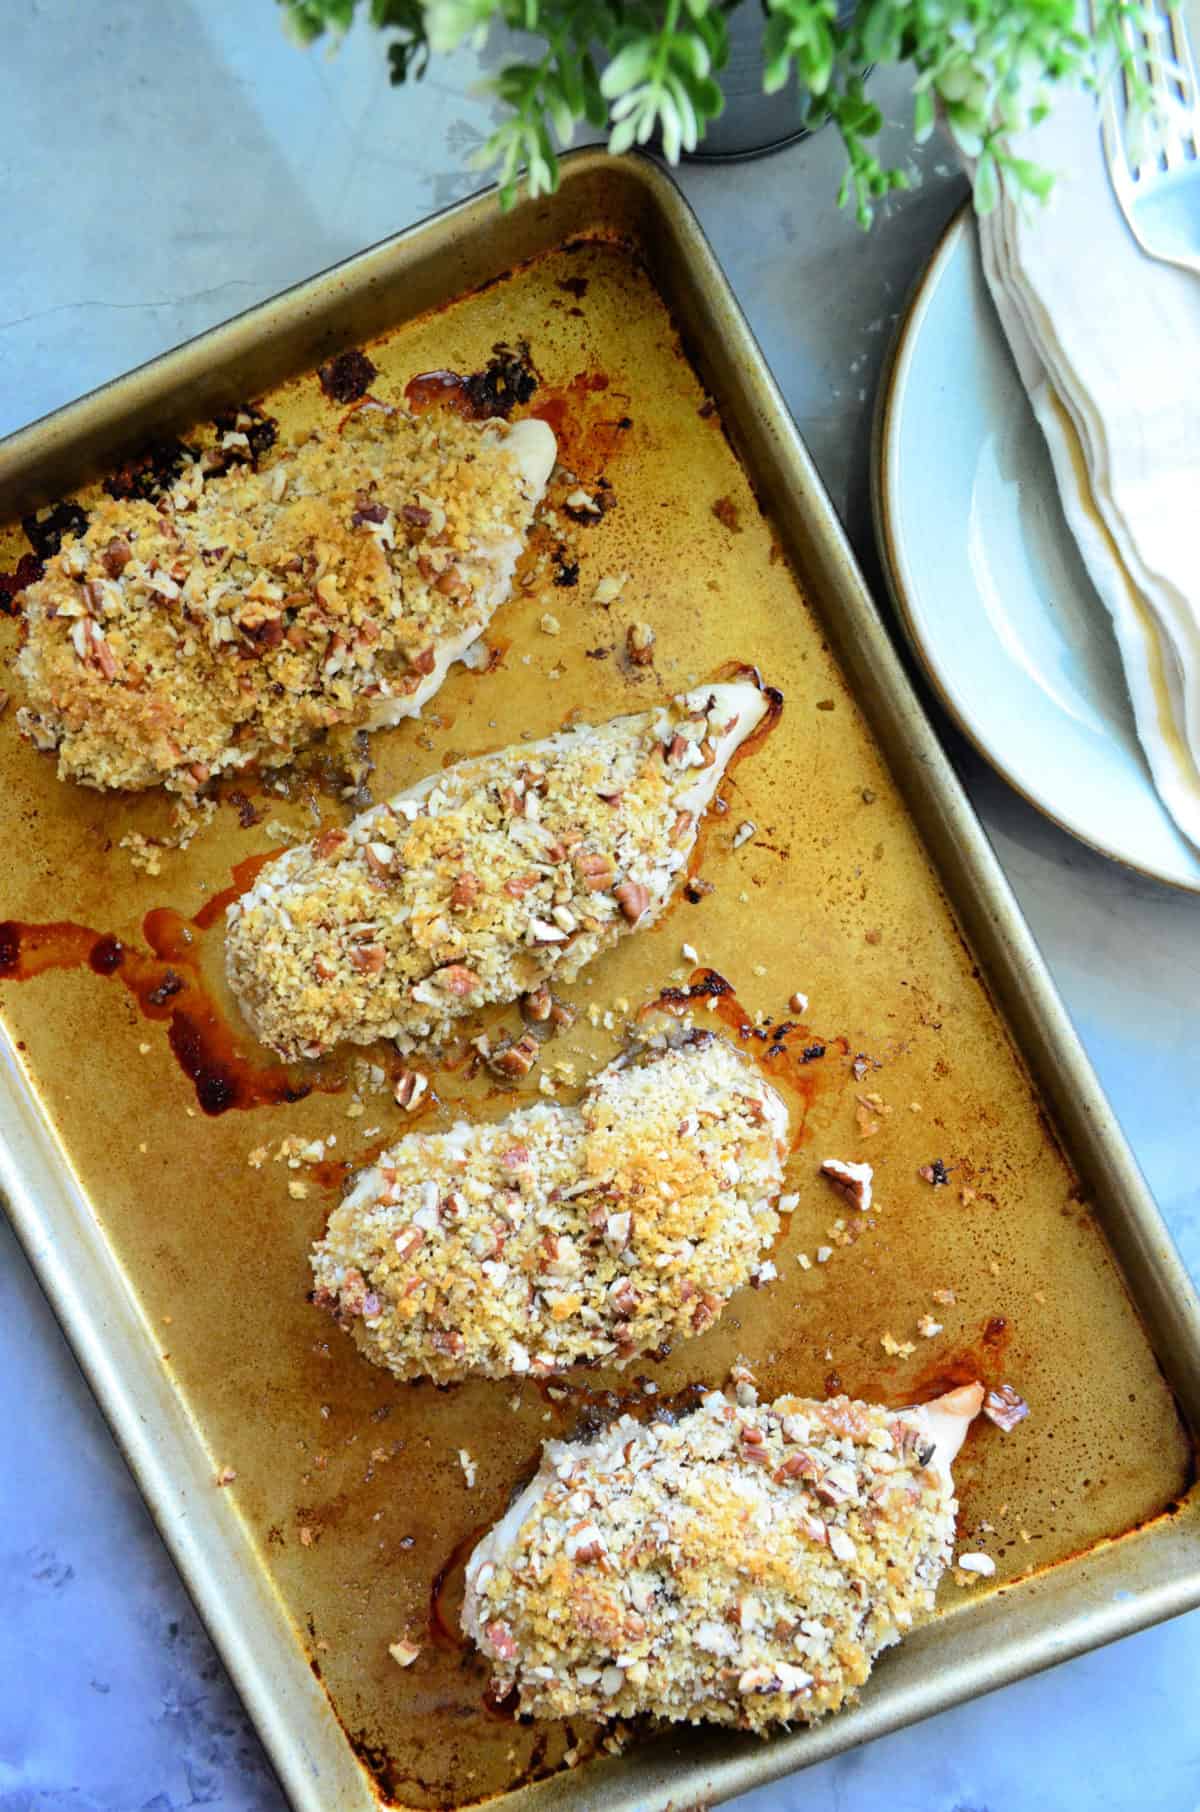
(851, 1180)
(514, 1057)
(451, 584)
(633, 899)
(1005, 1407)
(410, 1086)
(594, 869)
(457, 979)
(116, 556)
(465, 891)
(369, 958)
(329, 841)
(537, 1005)
(639, 644)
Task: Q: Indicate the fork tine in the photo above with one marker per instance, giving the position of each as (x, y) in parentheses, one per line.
(1164, 82)
(1113, 118)
(1185, 64)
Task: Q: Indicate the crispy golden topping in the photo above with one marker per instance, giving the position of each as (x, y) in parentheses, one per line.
(563, 1234)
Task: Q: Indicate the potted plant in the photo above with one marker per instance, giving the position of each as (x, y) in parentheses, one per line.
(653, 69)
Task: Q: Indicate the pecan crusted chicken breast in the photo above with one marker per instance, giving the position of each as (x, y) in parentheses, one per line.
(484, 881)
(563, 1234)
(743, 1565)
(245, 613)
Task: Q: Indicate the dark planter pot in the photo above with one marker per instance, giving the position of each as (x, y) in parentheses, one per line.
(753, 123)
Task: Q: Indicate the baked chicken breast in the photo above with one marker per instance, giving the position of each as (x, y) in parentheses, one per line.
(481, 882)
(743, 1565)
(240, 616)
(563, 1235)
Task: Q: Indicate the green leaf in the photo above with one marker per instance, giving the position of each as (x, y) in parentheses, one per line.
(987, 186)
(628, 68)
(924, 116)
(1032, 177)
(879, 23)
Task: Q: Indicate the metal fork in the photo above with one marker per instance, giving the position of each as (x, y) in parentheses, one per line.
(1157, 181)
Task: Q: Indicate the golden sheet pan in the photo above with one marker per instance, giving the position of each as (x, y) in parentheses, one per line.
(179, 1269)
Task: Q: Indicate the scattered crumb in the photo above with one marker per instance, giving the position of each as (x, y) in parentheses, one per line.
(745, 830)
(854, 1181)
(760, 968)
(927, 1327)
(226, 1475)
(639, 644)
(145, 853)
(804, 1261)
(468, 1466)
(868, 795)
(689, 953)
(897, 1349)
(144, 1048)
(307, 1536)
(279, 832)
(609, 589)
(1005, 1407)
(935, 1174)
(824, 1254)
(798, 1003)
(297, 1190)
(550, 625)
(981, 1565)
(868, 1125)
(145, 856)
(945, 1297)
(409, 1088)
(404, 1653)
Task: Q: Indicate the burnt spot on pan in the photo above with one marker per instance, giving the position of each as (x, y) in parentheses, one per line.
(148, 474)
(348, 377)
(246, 435)
(27, 571)
(45, 533)
(507, 381)
(566, 571)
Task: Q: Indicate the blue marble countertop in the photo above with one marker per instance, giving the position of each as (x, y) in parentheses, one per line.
(164, 166)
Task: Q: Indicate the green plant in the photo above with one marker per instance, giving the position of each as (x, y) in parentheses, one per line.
(644, 67)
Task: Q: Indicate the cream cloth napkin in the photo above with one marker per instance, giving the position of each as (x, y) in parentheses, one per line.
(1107, 344)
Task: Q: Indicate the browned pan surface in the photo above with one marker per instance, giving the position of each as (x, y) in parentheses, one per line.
(351, 1483)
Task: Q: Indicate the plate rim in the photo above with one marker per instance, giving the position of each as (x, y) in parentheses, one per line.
(885, 481)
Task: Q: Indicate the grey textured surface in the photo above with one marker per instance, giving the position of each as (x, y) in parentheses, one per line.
(163, 167)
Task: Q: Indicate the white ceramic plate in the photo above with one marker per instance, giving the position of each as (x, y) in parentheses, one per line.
(991, 590)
